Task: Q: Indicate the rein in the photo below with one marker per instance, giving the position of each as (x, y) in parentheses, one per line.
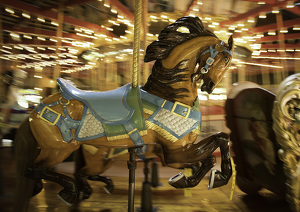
(210, 60)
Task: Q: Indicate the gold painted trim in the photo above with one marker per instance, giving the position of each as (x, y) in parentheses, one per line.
(196, 131)
(162, 105)
(165, 134)
(49, 122)
(60, 99)
(124, 136)
(147, 111)
(132, 131)
(183, 105)
(91, 149)
(111, 155)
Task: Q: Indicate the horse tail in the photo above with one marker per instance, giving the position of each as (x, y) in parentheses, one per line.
(26, 152)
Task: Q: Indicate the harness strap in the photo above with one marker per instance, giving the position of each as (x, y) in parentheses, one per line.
(213, 53)
(134, 135)
(54, 118)
(177, 108)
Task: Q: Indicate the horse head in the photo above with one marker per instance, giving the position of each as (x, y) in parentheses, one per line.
(185, 53)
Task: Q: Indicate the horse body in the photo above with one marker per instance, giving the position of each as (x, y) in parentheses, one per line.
(171, 92)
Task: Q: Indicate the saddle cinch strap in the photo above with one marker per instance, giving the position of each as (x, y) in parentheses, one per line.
(104, 112)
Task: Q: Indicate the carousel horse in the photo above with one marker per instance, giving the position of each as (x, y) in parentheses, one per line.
(11, 113)
(265, 135)
(164, 111)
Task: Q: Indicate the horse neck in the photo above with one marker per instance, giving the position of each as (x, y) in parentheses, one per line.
(159, 84)
(184, 57)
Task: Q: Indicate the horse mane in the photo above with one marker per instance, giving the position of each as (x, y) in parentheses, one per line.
(169, 37)
(161, 78)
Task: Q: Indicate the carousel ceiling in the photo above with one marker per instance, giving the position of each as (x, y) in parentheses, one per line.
(41, 34)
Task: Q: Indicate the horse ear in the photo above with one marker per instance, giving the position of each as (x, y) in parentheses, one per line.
(231, 43)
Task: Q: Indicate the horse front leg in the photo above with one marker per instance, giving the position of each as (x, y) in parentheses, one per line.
(90, 162)
(180, 180)
(69, 193)
(202, 152)
(84, 189)
(220, 178)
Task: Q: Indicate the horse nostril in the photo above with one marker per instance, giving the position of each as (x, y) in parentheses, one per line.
(208, 87)
(211, 85)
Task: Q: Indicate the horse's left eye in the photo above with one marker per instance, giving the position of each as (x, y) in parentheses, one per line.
(226, 59)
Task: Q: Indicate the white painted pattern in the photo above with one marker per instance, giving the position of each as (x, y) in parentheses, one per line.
(173, 122)
(91, 126)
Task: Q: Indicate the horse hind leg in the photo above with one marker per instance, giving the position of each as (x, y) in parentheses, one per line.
(220, 178)
(109, 187)
(91, 161)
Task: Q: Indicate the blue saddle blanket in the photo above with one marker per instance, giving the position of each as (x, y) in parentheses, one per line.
(109, 107)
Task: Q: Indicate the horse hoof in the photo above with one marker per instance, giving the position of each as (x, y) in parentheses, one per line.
(178, 181)
(217, 179)
(85, 193)
(109, 188)
(38, 187)
(68, 197)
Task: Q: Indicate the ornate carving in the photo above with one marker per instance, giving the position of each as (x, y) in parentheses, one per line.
(286, 125)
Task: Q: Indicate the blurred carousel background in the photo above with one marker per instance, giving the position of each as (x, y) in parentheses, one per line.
(90, 43)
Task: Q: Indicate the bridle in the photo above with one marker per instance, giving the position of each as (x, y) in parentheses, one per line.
(220, 47)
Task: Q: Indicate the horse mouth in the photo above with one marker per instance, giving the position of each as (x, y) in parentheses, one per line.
(208, 87)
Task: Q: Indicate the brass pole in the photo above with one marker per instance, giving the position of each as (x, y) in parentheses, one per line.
(145, 71)
(59, 34)
(136, 42)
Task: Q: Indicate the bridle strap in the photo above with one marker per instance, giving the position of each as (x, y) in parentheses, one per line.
(210, 60)
(213, 53)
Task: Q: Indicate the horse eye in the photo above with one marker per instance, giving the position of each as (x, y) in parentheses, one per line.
(226, 59)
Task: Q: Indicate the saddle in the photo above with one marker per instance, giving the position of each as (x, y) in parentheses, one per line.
(109, 107)
(115, 114)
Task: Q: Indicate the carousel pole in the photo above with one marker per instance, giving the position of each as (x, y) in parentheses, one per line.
(135, 71)
(136, 42)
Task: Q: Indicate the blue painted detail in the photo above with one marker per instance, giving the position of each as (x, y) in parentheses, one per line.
(141, 152)
(179, 109)
(213, 53)
(49, 115)
(40, 106)
(133, 133)
(109, 107)
(64, 129)
(64, 124)
(70, 122)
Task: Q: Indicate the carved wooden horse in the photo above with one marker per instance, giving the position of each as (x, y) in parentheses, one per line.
(164, 111)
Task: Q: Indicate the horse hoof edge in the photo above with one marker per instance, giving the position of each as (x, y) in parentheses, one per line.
(178, 181)
(68, 197)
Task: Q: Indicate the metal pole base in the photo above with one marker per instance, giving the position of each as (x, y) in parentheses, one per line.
(131, 187)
